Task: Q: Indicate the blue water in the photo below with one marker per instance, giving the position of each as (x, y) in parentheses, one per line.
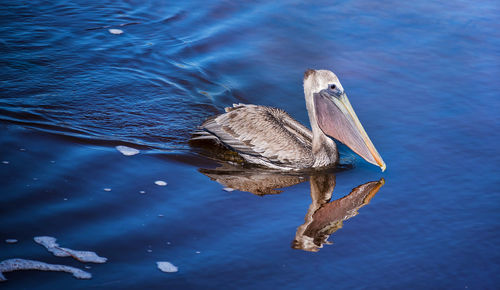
(421, 75)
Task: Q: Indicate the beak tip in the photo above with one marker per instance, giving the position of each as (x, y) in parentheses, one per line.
(383, 167)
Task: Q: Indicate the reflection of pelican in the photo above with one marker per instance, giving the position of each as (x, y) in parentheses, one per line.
(323, 218)
(271, 138)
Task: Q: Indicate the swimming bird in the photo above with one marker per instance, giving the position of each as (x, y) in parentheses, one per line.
(269, 137)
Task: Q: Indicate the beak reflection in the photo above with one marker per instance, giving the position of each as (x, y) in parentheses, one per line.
(323, 217)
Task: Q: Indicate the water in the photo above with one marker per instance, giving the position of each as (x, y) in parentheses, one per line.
(422, 77)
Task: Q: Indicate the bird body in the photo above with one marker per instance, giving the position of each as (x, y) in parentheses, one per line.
(269, 137)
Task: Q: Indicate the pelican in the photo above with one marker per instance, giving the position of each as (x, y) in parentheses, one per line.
(269, 137)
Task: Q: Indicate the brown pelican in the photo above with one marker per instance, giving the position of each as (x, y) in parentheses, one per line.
(270, 137)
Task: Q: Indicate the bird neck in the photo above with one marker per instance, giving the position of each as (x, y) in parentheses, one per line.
(323, 148)
(318, 136)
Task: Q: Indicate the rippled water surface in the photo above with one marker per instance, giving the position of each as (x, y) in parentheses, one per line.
(421, 75)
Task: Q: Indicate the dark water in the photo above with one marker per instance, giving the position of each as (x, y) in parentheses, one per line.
(422, 76)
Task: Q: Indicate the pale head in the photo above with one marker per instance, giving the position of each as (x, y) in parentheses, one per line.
(318, 80)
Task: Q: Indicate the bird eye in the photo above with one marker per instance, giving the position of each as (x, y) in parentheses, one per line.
(333, 87)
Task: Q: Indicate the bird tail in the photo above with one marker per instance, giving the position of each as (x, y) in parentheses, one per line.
(199, 135)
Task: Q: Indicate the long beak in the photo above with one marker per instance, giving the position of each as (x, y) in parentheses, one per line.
(337, 118)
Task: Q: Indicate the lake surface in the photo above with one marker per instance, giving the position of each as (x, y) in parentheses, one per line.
(421, 75)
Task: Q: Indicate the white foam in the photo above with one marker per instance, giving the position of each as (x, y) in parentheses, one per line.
(22, 264)
(228, 189)
(127, 151)
(11, 241)
(142, 192)
(160, 183)
(5, 162)
(107, 189)
(115, 31)
(167, 267)
(54, 248)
